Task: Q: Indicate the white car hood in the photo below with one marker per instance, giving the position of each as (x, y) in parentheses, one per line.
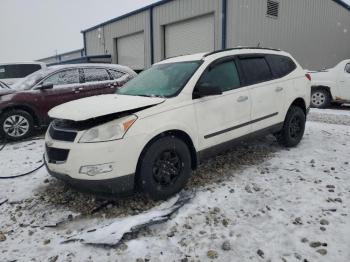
(97, 106)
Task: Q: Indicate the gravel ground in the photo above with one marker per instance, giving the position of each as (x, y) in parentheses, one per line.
(238, 191)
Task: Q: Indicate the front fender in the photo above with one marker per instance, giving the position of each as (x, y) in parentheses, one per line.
(153, 125)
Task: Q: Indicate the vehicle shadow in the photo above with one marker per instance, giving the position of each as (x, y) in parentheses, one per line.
(345, 107)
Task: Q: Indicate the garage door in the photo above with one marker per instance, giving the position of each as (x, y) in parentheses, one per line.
(190, 36)
(131, 51)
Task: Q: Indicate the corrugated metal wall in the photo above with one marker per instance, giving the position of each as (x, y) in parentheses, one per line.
(62, 57)
(180, 10)
(71, 55)
(94, 42)
(106, 43)
(49, 60)
(316, 32)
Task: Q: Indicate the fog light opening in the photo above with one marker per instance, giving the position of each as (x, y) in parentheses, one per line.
(93, 170)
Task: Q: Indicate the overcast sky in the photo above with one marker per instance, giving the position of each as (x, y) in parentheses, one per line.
(33, 29)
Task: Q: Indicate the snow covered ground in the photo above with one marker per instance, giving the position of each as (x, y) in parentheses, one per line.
(258, 202)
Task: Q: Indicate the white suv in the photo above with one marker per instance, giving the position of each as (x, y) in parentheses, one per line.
(154, 131)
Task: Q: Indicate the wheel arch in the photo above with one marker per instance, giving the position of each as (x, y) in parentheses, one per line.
(178, 134)
(327, 88)
(300, 102)
(25, 108)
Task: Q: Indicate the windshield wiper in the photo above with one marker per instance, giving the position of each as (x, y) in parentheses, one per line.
(158, 96)
(5, 85)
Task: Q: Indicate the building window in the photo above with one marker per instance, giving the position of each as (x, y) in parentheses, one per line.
(272, 9)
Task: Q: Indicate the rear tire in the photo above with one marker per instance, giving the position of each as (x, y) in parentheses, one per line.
(293, 128)
(320, 98)
(165, 168)
(16, 125)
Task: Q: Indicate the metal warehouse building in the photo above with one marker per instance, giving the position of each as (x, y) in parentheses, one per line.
(75, 57)
(316, 32)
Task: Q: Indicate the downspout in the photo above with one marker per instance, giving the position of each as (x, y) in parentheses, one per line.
(84, 39)
(224, 24)
(151, 34)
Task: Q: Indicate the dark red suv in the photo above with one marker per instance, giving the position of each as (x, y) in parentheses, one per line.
(27, 103)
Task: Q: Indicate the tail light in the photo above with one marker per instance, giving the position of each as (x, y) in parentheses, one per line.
(308, 76)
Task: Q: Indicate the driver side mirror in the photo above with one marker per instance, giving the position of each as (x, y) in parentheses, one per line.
(45, 86)
(203, 90)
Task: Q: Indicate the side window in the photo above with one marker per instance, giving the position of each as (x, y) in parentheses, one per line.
(256, 70)
(281, 65)
(95, 75)
(347, 68)
(223, 75)
(116, 74)
(67, 77)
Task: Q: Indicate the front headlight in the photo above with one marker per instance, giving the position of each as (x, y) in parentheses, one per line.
(110, 131)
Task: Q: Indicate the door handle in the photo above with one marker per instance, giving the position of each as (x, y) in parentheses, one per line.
(242, 99)
(279, 89)
(77, 90)
(342, 81)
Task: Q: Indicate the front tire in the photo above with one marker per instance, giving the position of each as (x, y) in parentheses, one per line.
(16, 125)
(293, 128)
(320, 98)
(165, 168)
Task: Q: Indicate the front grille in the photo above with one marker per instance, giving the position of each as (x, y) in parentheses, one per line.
(56, 155)
(62, 134)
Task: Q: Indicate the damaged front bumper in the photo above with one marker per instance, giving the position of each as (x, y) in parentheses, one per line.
(121, 186)
(106, 167)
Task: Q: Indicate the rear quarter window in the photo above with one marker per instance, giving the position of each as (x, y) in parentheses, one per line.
(281, 65)
(95, 75)
(115, 74)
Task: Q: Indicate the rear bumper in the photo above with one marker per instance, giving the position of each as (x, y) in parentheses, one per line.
(120, 186)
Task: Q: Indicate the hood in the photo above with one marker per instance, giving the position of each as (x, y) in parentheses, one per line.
(97, 106)
(6, 91)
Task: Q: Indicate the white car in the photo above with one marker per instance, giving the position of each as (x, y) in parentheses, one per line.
(13, 72)
(155, 130)
(331, 85)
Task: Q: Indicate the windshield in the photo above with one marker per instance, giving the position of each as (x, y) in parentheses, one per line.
(31, 80)
(164, 80)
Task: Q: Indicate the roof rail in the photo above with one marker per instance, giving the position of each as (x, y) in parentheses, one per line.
(240, 48)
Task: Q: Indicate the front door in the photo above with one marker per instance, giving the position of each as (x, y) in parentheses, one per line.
(66, 85)
(344, 83)
(224, 117)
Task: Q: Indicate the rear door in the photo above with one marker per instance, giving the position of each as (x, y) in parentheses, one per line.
(97, 81)
(66, 84)
(344, 82)
(266, 94)
(224, 117)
